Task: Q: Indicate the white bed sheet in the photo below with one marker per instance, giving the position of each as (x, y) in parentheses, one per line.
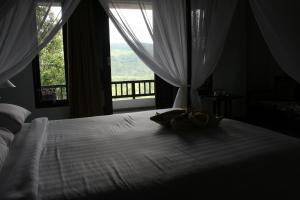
(122, 153)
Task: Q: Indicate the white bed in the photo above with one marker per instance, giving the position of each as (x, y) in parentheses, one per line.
(129, 156)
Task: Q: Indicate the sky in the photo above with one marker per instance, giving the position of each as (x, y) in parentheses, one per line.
(136, 21)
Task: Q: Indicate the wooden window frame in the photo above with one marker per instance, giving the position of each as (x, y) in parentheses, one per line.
(39, 102)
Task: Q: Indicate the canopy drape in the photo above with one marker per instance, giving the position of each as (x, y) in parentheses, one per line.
(89, 75)
(211, 20)
(161, 39)
(279, 23)
(157, 35)
(168, 58)
(26, 29)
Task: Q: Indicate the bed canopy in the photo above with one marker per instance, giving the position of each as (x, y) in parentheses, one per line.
(280, 27)
(23, 35)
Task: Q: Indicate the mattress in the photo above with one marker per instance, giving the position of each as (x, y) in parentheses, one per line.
(129, 156)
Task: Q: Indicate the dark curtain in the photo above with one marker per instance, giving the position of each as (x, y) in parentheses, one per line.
(88, 53)
(165, 93)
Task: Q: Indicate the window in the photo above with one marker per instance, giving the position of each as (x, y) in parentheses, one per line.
(131, 78)
(49, 67)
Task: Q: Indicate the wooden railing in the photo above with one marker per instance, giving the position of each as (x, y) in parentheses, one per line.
(54, 92)
(132, 89)
(120, 89)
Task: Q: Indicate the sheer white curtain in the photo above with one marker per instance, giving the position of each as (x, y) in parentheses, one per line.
(26, 28)
(279, 22)
(162, 24)
(211, 20)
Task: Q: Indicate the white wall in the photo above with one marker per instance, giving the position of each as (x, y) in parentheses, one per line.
(23, 95)
(133, 104)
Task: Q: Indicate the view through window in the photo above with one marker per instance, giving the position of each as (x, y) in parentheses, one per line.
(51, 63)
(131, 78)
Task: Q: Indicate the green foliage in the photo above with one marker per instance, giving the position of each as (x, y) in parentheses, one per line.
(52, 62)
(125, 65)
(45, 25)
(52, 69)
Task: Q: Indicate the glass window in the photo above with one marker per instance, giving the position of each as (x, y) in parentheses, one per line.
(131, 78)
(49, 66)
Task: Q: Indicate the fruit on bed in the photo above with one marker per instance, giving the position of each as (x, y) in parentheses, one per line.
(165, 117)
(204, 120)
(199, 119)
(182, 122)
(186, 120)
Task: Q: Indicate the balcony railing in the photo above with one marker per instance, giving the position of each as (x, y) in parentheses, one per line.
(54, 92)
(132, 89)
(120, 89)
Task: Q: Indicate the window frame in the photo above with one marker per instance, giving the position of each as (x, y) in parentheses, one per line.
(129, 97)
(39, 102)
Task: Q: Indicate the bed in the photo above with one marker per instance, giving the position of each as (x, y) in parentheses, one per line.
(128, 156)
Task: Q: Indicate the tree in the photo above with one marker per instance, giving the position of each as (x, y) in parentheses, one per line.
(52, 70)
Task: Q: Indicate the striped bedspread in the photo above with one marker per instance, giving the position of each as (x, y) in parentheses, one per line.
(129, 156)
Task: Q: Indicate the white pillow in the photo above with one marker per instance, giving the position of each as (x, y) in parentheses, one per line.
(6, 138)
(12, 117)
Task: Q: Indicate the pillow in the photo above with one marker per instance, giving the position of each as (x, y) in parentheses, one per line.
(12, 117)
(6, 138)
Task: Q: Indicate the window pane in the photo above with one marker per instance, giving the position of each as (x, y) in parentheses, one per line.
(131, 78)
(51, 59)
(52, 64)
(125, 64)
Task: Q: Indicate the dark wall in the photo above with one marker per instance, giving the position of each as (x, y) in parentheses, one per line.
(247, 67)
(262, 67)
(230, 74)
(265, 79)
